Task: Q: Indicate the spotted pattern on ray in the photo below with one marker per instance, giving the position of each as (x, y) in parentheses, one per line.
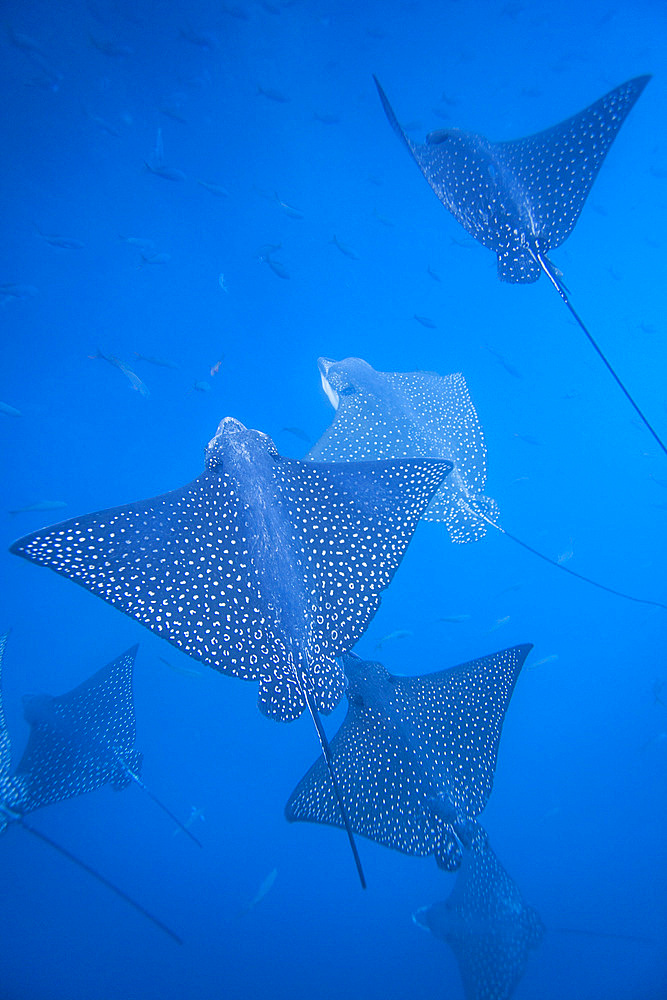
(383, 415)
(526, 193)
(12, 789)
(81, 740)
(407, 743)
(5, 745)
(487, 925)
(265, 568)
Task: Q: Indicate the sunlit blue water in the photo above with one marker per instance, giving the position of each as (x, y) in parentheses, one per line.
(578, 808)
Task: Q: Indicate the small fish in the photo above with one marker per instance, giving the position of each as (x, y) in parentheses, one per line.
(510, 369)
(398, 634)
(25, 43)
(264, 888)
(528, 438)
(167, 173)
(39, 506)
(153, 257)
(102, 124)
(289, 210)
(297, 432)
(123, 367)
(138, 242)
(265, 257)
(20, 293)
(235, 10)
(9, 411)
(202, 39)
(499, 622)
(344, 248)
(425, 321)
(657, 689)
(62, 242)
(173, 111)
(566, 555)
(183, 671)
(273, 95)
(216, 189)
(215, 368)
(201, 386)
(325, 118)
(454, 619)
(383, 220)
(115, 50)
(158, 362)
(195, 814)
(222, 283)
(543, 662)
(433, 274)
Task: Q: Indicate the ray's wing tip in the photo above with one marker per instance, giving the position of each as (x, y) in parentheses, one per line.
(290, 815)
(18, 547)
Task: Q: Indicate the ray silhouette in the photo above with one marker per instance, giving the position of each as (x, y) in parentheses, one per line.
(488, 926)
(521, 199)
(55, 767)
(84, 739)
(264, 567)
(382, 415)
(415, 756)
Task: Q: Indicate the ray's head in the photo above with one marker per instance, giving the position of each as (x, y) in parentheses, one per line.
(347, 378)
(235, 446)
(435, 918)
(38, 709)
(369, 684)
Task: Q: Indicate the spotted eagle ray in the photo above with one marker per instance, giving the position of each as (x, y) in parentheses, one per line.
(522, 198)
(415, 756)
(383, 415)
(57, 762)
(264, 567)
(389, 415)
(487, 925)
(85, 739)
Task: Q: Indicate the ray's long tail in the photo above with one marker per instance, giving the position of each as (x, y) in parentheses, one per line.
(326, 752)
(566, 569)
(544, 264)
(163, 807)
(100, 878)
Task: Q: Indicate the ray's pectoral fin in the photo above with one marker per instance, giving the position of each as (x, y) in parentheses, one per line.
(518, 266)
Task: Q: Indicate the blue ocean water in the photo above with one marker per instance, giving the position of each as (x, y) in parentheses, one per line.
(274, 102)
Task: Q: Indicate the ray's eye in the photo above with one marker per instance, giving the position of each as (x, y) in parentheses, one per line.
(347, 390)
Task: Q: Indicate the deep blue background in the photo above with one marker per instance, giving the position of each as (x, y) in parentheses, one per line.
(577, 814)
